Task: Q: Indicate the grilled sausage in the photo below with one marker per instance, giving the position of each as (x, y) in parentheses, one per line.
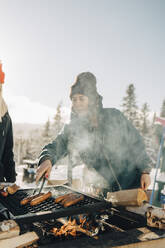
(62, 197)
(73, 200)
(29, 198)
(69, 197)
(40, 199)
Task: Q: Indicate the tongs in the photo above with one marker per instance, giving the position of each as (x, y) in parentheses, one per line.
(43, 179)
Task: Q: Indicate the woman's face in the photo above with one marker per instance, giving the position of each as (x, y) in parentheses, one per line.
(80, 104)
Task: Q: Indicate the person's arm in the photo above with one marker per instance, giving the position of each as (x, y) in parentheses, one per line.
(51, 153)
(138, 155)
(8, 156)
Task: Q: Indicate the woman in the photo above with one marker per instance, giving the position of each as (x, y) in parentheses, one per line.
(7, 164)
(101, 138)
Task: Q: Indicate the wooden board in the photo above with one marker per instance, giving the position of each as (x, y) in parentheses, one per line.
(20, 241)
(131, 197)
(156, 217)
(12, 232)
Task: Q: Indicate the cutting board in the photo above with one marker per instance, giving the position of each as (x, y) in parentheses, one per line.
(13, 229)
(19, 241)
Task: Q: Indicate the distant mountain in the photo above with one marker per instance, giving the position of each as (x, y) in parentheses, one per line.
(25, 130)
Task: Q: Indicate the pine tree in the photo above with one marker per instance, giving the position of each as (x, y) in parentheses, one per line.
(162, 113)
(153, 119)
(47, 131)
(144, 119)
(129, 106)
(58, 118)
(58, 123)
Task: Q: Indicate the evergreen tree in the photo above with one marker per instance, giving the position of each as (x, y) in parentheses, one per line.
(130, 109)
(47, 131)
(153, 119)
(58, 118)
(58, 123)
(144, 119)
(162, 113)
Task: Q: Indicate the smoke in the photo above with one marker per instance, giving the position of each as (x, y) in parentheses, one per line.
(113, 153)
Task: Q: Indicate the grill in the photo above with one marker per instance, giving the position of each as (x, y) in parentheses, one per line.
(109, 237)
(10, 206)
(43, 217)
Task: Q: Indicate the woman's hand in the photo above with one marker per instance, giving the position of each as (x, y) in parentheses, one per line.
(145, 181)
(44, 168)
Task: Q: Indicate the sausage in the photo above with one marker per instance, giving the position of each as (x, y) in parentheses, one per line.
(73, 200)
(69, 197)
(29, 198)
(62, 197)
(40, 199)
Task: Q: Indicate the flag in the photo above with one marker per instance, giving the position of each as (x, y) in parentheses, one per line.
(160, 120)
(2, 75)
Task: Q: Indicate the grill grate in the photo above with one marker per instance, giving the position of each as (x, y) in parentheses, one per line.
(12, 203)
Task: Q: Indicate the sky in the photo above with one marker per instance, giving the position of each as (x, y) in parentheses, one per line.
(45, 44)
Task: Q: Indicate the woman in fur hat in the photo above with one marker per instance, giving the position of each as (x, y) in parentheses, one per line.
(102, 138)
(7, 164)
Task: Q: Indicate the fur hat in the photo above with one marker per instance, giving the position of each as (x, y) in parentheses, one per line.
(86, 85)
